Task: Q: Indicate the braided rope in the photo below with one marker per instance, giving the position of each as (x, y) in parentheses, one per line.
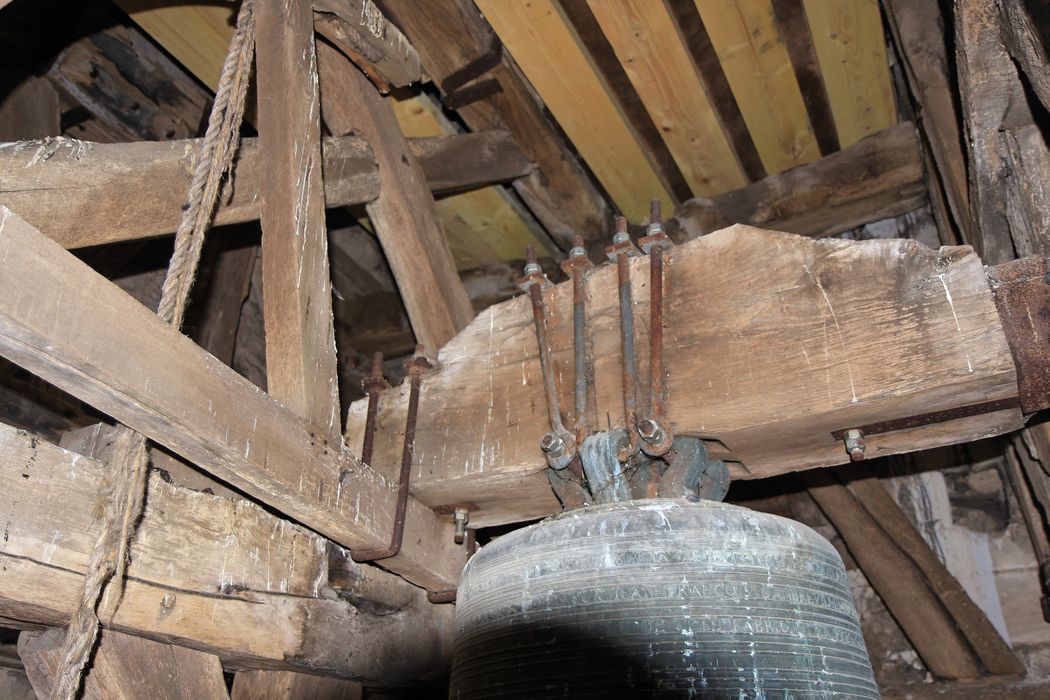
(129, 461)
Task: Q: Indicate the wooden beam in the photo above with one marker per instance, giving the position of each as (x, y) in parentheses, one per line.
(755, 59)
(1009, 163)
(287, 685)
(919, 34)
(994, 654)
(483, 226)
(67, 324)
(1022, 297)
(879, 177)
(1026, 43)
(220, 575)
(898, 581)
(543, 44)
(358, 29)
(774, 342)
(124, 666)
(851, 50)
(449, 35)
(663, 73)
(297, 309)
(985, 689)
(82, 193)
(404, 214)
(793, 27)
(30, 111)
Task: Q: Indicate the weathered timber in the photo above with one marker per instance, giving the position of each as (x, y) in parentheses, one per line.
(130, 86)
(987, 644)
(67, 324)
(404, 214)
(216, 574)
(985, 689)
(30, 111)
(1022, 297)
(297, 307)
(124, 666)
(1021, 32)
(898, 581)
(287, 685)
(878, 177)
(1009, 162)
(450, 35)
(81, 193)
(774, 342)
(358, 29)
(919, 34)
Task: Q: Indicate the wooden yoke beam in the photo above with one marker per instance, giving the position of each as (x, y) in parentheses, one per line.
(773, 343)
(64, 322)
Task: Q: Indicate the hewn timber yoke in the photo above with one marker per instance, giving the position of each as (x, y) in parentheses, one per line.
(213, 573)
(80, 193)
(64, 322)
(773, 343)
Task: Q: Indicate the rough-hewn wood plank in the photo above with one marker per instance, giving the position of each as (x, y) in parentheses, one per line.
(919, 33)
(404, 213)
(358, 29)
(877, 178)
(1023, 299)
(297, 304)
(287, 685)
(449, 34)
(213, 573)
(81, 193)
(69, 325)
(1021, 32)
(123, 666)
(1008, 160)
(773, 342)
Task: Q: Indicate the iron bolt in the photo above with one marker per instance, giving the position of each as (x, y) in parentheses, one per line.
(461, 518)
(854, 441)
(552, 444)
(650, 431)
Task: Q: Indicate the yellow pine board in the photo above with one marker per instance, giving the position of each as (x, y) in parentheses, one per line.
(851, 50)
(482, 226)
(545, 47)
(651, 51)
(197, 35)
(757, 65)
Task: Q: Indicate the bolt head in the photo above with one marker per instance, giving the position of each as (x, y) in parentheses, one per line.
(578, 253)
(854, 442)
(650, 431)
(533, 269)
(621, 237)
(552, 444)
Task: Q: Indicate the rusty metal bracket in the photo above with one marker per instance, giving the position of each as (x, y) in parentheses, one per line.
(922, 419)
(373, 386)
(416, 366)
(449, 595)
